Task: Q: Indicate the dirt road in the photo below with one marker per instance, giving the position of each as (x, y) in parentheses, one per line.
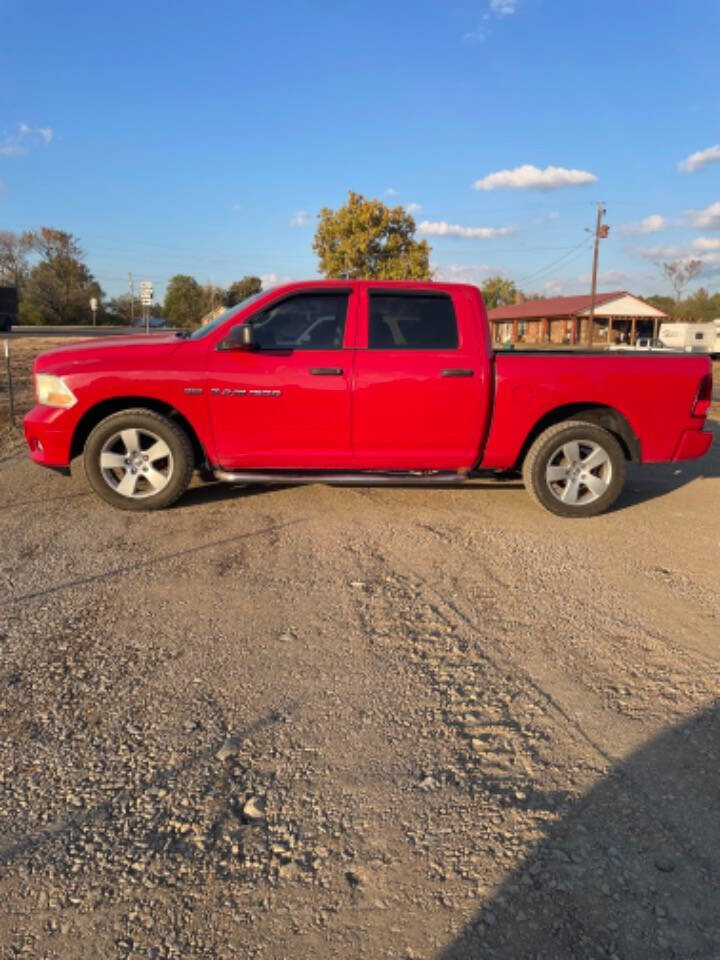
(316, 722)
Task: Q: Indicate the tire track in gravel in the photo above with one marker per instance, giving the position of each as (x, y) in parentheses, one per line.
(544, 684)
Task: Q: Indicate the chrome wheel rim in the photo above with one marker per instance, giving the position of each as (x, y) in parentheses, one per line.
(578, 472)
(136, 463)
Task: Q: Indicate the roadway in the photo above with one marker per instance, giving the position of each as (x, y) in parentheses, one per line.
(17, 331)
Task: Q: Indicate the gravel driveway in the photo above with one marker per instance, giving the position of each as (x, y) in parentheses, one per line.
(336, 723)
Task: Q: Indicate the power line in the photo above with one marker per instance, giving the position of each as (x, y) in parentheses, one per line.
(532, 276)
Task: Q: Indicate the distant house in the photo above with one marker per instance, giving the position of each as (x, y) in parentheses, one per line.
(619, 317)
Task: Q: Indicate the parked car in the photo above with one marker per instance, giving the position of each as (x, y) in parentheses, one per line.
(642, 343)
(361, 382)
(155, 323)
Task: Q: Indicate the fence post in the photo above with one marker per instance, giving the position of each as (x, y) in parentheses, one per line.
(11, 400)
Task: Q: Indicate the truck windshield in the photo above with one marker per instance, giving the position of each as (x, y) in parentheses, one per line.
(225, 315)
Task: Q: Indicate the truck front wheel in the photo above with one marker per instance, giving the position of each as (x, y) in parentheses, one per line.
(138, 460)
(575, 469)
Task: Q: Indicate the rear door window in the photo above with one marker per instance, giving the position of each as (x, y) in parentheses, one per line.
(412, 322)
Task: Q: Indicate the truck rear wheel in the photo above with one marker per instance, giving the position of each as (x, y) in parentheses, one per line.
(575, 469)
(138, 460)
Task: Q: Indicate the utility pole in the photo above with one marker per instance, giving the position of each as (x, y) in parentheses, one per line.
(601, 230)
(132, 301)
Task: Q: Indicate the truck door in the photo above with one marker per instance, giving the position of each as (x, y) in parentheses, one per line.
(419, 381)
(285, 403)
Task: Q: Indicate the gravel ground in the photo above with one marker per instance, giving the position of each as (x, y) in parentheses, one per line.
(383, 723)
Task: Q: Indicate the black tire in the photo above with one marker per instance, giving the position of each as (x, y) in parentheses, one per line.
(173, 471)
(546, 459)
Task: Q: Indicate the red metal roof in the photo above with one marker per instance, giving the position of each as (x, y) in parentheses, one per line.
(553, 306)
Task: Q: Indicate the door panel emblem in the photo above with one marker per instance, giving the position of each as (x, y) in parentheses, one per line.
(244, 392)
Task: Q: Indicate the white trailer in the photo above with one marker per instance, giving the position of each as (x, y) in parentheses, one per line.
(689, 337)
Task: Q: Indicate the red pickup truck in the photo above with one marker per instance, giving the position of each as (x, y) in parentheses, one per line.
(360, 382)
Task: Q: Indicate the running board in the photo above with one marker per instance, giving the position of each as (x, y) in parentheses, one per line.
(342, 479)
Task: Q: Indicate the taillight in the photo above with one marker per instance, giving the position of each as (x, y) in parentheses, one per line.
(702, 397)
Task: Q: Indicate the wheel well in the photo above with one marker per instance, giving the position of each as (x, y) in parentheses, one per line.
(92, 417)
(607, 417)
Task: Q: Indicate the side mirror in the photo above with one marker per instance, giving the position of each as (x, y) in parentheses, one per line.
(240, 338)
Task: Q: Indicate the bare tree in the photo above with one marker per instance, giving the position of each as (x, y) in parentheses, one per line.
(680, 273)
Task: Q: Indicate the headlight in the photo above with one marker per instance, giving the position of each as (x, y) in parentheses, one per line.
(53, 391)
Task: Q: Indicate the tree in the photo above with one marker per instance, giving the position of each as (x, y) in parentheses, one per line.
(59, 286)
(700, 306)
(680, 273)
(662, 302)
(367, 239)
(119, 310)
(184, 301)
(14, 250)
(498, 291)
(213, 297)
(242, 289)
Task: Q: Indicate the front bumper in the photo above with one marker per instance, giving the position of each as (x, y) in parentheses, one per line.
(48, 434)
(693, 444)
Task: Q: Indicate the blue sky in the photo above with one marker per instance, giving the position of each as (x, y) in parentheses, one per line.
(203, 138)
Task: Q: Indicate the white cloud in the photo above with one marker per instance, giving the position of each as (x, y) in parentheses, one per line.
(700, 159)
(559, 287)
(652, 224)
(477, 35)
(18, 144)
(503, 8)
(496, 10)
(300, 219)
(442, 229)
(706, 243)
(615, 279)
(413, 208)
(661, 253)
(272, 280)
(391, 192)
(462, 273)
(707, 219)
(529, 177)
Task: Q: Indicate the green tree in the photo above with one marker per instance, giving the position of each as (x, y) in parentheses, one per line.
(700, 306)
(242, 289)
(367, 239)
(184, 301)
(14, 251)
(118, 309)
(663, 302)
(59, 286)
(498, 291)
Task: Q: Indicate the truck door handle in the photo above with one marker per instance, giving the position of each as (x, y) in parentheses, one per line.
(326, 371)
(457, 372)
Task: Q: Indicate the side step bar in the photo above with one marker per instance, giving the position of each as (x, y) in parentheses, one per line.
(342, 479)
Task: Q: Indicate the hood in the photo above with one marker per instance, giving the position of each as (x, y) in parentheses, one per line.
(100, 350)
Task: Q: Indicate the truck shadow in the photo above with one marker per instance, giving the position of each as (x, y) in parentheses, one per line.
(655, 480)
(632, 870)
(214, 492)
(643, 482)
